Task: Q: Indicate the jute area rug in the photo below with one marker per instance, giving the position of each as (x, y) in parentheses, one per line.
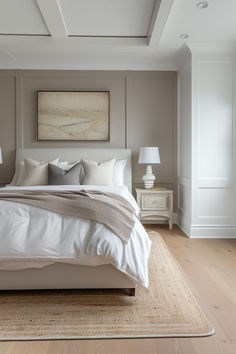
(169, 310)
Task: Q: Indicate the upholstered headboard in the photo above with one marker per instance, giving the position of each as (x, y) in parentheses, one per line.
(75, 154)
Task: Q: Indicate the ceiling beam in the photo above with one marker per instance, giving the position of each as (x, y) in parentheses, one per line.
(159, 18)
(9, 53)
(73, 44)
(53, 17)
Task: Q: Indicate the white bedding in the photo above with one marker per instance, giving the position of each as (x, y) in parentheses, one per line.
(34, 238)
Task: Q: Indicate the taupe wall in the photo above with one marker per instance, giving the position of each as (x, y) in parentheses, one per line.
(143, 113)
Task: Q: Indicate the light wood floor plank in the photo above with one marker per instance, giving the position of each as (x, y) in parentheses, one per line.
(210, 268)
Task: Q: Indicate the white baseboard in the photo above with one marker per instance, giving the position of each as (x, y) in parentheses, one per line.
(203, 232)
(208, 231)
(213, 231)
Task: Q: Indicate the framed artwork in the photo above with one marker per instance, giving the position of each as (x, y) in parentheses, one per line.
(73, 115)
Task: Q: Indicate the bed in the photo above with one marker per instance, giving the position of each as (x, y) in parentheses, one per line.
(25, 261)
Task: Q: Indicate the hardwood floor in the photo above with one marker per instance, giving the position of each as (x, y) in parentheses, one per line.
(210, 266)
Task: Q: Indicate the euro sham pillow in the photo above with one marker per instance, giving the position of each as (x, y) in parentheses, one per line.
(99, 174)
(62, 176)
(118, 176)
(36, 173)
(118, 173)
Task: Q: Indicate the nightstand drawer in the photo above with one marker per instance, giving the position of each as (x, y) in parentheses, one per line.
(154, 215)
(153, 201)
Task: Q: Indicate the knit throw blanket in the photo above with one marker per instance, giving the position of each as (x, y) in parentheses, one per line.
(106, 208)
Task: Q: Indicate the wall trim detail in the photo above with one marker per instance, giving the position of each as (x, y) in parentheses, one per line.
(143, 112)
(215, 183)
(213, 231)
(19, 110)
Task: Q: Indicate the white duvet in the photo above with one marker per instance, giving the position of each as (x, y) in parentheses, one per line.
(31, 237)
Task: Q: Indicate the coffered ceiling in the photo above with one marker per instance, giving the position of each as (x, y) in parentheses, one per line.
(21, 17)
(108, 34)
(110, 18)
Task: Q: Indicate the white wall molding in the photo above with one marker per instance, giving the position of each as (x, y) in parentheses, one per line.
(213, 231)
(215, 183)
(184, 180)
(212, 150)
(19, 110)
(183, 61)
(212, 185)
(135, 96)
(91, 62)
(212, 48)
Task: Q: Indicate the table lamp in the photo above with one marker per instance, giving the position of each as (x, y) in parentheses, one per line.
(149, 155)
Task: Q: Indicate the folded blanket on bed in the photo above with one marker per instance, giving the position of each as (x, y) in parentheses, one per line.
(106, 208)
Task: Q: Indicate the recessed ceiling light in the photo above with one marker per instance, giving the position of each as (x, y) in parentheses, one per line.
(184, 36)
(202, 4)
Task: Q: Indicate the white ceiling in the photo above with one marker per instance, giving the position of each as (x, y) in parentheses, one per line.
(215, 24)
(109, 34)
(21, 17)
(107, 17)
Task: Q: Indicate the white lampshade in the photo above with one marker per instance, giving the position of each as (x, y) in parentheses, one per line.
(0, 155)
(149, 155)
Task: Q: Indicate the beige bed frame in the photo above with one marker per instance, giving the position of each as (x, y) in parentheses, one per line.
(66, 276)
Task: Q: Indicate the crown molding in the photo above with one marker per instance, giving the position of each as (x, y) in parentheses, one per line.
(89, 63)
(212, 47)
(182, 57)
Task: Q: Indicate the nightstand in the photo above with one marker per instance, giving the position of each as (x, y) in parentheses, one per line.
(155, 205)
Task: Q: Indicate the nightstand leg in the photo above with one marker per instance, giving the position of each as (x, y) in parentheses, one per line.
(170, 223)
(171, 212)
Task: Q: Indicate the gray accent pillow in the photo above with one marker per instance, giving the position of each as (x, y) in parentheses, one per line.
(59, 176)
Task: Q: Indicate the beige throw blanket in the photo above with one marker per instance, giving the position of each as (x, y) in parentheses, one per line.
(106, 208)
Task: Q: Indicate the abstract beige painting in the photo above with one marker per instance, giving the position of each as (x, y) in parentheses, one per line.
(73, 115)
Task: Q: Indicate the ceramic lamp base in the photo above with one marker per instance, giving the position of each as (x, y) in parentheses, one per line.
(149, 178)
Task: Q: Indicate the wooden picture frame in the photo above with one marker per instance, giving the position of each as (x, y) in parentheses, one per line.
(73, 116)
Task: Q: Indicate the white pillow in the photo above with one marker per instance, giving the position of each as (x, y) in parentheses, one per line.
(36, 173)
(118, 173)
(99, 174)
(117, 180)
(119, 169)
